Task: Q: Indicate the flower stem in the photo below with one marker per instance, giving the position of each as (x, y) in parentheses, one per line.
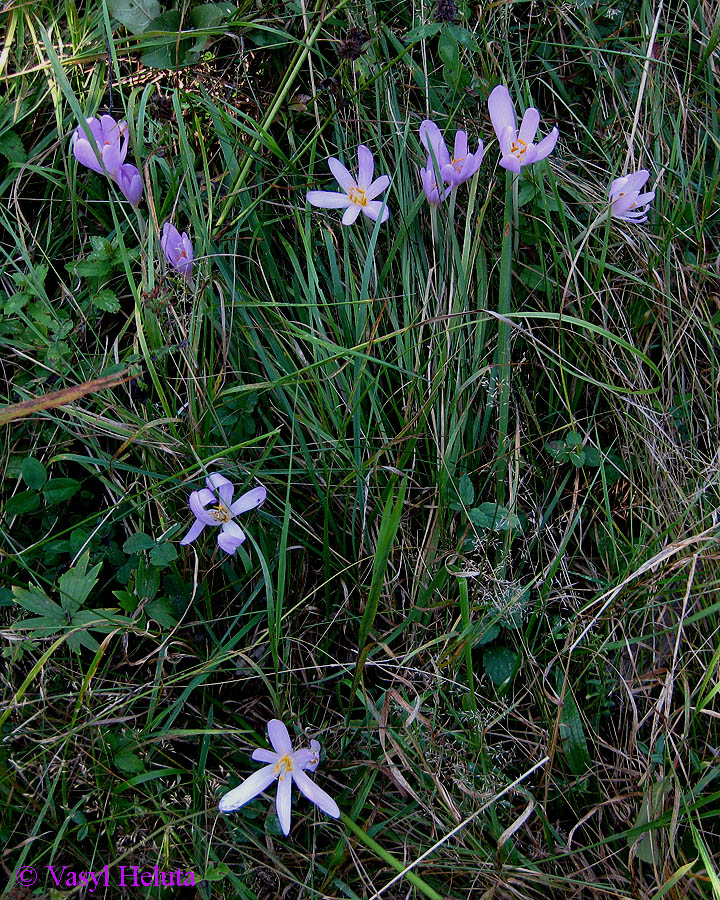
(502, 356)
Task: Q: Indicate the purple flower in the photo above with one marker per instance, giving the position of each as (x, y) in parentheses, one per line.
(359, 194)
(177, 249)
(284, 766)
(625, 197)
(219, 492)
(517, 147)
(129, 181)
(453, 171)
(111, 145)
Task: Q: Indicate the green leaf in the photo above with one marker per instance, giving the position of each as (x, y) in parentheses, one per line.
(33, 472)
(572, 733)
(11, 147)
(59, 489)
(161, 555)
(129, 762)
(488, 633)
(15, 302)
(499, 663)
(22, 502)
(162, 610)
(208, 15)
(138, 542)
(106, 300)
(466, 491)
(35, 600)
(147, 581)
(75, 584)
(449, 52)
(126, 600)
(494, 517)
(135, 15)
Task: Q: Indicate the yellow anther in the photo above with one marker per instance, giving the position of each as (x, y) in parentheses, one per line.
(357, 196)
(220, 513)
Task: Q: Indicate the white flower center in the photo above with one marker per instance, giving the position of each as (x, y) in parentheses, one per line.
(283, 767)
(357, 196)
(220, 513)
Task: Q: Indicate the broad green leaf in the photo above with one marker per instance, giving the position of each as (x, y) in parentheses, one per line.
(129, 762)
(106, 300)
(11, 147)
(162, 610)
(138, 542)
(135, 15)
(494, 517)
(466, 491)
(22, 502)
(58, 490)
(208, 15)
(572, 734)
(33, 473)
(161, 555)
(499, 663)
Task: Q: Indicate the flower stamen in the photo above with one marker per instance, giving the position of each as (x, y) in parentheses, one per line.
(517, 149)
(220, 513)
(357, 196)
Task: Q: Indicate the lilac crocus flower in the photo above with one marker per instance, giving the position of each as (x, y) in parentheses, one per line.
(463, 164)
(284, 766)
(178, 249)
(129, 181)
(625, 197)
(517, 147)
(359, 194)
(219, 492)
(111, 145)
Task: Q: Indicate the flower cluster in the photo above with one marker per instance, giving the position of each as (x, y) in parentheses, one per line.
(286, 766)
(443, 172)
(105, 154)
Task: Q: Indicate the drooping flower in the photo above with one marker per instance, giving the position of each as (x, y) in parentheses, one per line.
(626, 201)
(178, 249)
(284, 766)
(130, 183)
(111, 144)
(359, 196)
(463, 164)
(219, 492)
(517, 147)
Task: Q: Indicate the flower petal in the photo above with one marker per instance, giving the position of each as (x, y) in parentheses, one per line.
(377, 187)
(372, 210)
(546, 146)
(644, 199)
(230, 537)
(502, 113)
(510, 162)
(266, 756)
(430, 136)
(279, 737)
(249, 500)
(460, 147)
(283, 802)
(198, 501)
(195, 529)
(130, 183)
(529, 125)
(84, 153)
(366, 165)
(328, 199)
(251, 787)
(351, 213)
(341, 174)
(222, 486)
(315, 794)
(505, 140)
